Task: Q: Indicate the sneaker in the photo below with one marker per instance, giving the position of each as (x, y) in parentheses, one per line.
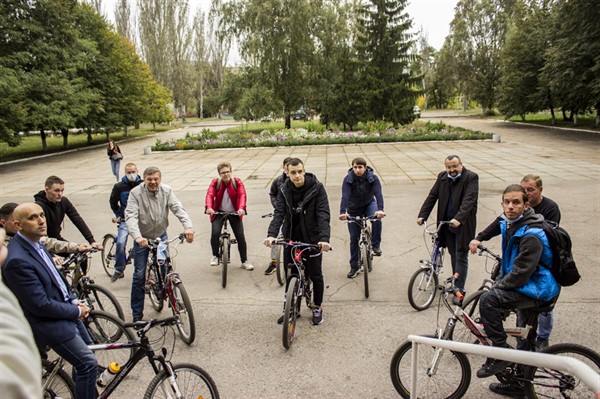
(377, 251)
(117, 275)
(317, 317)
(492, 367)
(270, 269)
(138, 318)
(352, 273)
(247, 265)
(214, 261)
(514, 390)
(541, 344)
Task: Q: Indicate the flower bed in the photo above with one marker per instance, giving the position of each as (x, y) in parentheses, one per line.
(208, 139)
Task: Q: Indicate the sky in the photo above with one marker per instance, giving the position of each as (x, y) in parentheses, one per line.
(434, 16)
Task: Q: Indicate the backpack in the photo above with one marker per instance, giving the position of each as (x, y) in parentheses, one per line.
(232, 182)
(563, 268)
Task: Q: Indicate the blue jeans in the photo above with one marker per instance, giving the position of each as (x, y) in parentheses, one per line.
(459, 258)
(354, 229)
(140, 260)
(120, 254)
(115, 166)
(545, 323)
(85, 366)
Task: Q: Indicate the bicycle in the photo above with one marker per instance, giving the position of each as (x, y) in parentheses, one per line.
(84, 287)
(448, 375)
(278, 258)
(225, 242)
(169, 288)
(365, 248)
(299, 286)
(108, 252)
(423, 283)
(181, 380)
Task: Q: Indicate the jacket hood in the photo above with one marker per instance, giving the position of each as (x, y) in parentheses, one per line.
(368, 175)
(41, 197)
(529, 217)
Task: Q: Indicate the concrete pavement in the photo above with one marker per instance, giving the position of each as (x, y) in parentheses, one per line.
(348, 356)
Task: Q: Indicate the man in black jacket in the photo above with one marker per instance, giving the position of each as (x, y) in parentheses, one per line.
(456, 190)
(118, 203)
(275, 186)
(302, 213)
(55, 206)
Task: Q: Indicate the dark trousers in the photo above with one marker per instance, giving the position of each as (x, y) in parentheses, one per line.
(459, 257)
(313, 270)
(238, 231)
(492, 306)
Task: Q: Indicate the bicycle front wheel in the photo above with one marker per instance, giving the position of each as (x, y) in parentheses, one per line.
(57, 385)
(279, 265)
(290, 313)
(422, 288)
(192, 382)
(104, 328)
(365, 262)
(154, 288)
(450, 379)
(182, 307)
(224, 260)
(547, 383)
(109, 248)
(101, 298)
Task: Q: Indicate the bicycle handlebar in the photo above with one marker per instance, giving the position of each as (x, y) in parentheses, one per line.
(360, 218)
(438, 228)
(76, 257)
(483, 249)
(154, 243)
(146, 325)
(268, 215)
(297, 244)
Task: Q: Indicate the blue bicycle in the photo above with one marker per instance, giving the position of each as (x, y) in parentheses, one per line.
(423, 283)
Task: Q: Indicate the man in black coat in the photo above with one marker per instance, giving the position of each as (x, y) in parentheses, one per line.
(456, 190)
(302, 213)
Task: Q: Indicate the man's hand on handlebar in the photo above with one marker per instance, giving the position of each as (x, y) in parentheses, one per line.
(474, 245)
(96, 245)
(209, 211)
(83, 247)
(379, 214)
(454, 223)
(420, 221)
(325, 246)
(344, 216)
(189, 235)
(142, 242)
(269, 241)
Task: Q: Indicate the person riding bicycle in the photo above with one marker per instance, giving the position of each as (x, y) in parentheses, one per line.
(524, 283)
(275, 186)
(227, 194)
(147, 217)
(302, 212)
(118, 204)
(361, 196)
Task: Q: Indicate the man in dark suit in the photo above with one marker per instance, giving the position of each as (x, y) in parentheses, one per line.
(455, 190)
(50, 307)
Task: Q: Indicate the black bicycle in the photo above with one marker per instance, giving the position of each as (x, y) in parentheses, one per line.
(225, 242)
(168, 287)
(365, 248)
(96, 296)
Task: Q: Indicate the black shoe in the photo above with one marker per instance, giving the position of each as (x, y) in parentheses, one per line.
(541, 344)
(270, 269)
(116, 275)
(513, 390)
(492, 367)
(352, 273)
(377, 251)
(138, 318)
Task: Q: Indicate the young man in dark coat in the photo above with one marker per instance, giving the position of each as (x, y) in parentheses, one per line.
(456, 191)
(302, 213)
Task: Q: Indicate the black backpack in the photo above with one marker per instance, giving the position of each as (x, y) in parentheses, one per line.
(563, 268)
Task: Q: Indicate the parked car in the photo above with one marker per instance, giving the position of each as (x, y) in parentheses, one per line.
(299, 115)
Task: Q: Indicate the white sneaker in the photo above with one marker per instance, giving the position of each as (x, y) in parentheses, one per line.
(214, 261)
(247, 265)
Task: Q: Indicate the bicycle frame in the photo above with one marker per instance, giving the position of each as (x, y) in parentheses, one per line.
(436, 255)
(172, 277)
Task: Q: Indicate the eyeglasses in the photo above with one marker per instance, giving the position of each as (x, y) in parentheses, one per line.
(225, 172)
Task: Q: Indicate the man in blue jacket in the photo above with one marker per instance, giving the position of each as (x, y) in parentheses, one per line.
(525, 280)
(361, 196)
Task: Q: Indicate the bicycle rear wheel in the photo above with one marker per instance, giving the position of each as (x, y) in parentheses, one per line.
(192, 381)
(290, 313)
(450, 380)
(470, 306)
(101, 298)
(182, 307)
(547, 383)
(104, 328)
(365, 263)
(422, 288)
(279, 265)
(109, 248)
(224, 260)
(60, 385)
(154, 289)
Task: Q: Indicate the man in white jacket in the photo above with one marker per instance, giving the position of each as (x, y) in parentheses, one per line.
(147, 217)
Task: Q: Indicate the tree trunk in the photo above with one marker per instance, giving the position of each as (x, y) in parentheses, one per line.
(574, 116)
(89, 136)
(44, 144)
(288, 121)
(107, 133)
(137, 125)
(126, 131)
(598, 115)
(65, 134)
(553, 116)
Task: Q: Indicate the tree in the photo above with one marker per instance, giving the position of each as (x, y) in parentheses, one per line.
(123, 20)
(383, 44)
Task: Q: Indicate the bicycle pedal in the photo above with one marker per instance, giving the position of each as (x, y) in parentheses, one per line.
(233, 241)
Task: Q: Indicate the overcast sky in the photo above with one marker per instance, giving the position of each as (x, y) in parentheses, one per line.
(434, 16)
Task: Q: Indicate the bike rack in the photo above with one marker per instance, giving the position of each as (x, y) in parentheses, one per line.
(574, 366)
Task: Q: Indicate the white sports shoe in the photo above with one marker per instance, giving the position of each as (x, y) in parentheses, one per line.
(247, 265)
(214, 261)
